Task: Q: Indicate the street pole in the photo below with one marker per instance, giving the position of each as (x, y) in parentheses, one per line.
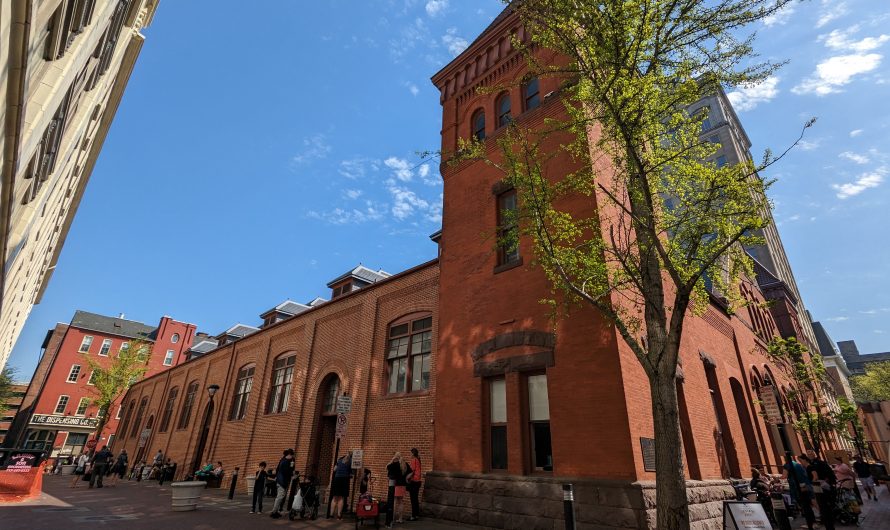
(232, 486)
(568, 502)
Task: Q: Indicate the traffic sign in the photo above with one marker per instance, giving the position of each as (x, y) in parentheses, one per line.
(344, 404)
(358, 456)
(342, 423)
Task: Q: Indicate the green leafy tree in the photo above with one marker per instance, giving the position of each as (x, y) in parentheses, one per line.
(646, 222)
(7, 379)
(112, 379)
(874, 385)
(807, 379)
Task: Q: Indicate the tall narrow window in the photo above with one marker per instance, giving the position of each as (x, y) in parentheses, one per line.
(242, 393)
(168, 409)
(106, 347)
(282, 377)
(92, 380)
(122, 428)
(61, 404)
(140, 412)
(74, 373)
(539, 423)
(168, 358)
(187, 404)
(497, 420)
(508, 228)
(119, 409)
(531, 95)
(82, 406)
(408, 353)
(479, 125)
(85, 345)
(503, 107)
(124, 347)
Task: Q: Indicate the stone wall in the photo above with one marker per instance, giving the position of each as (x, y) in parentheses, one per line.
(524, 502)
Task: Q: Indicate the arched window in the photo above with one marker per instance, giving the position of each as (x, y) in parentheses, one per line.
(479, 124)
(282, 378)
(139, 414)
(185, 413)
(408, 347)
(330, 391)
(127, 417)
(530, 94)
(503, 109)
(242, 393)
(168, 409)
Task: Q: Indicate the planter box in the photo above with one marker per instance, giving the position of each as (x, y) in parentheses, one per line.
(186, 495)
(250, 488)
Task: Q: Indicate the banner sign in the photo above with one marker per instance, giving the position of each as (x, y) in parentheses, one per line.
(64, 421)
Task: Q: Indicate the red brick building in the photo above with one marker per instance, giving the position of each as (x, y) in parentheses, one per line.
(10, 408)
(58, 413)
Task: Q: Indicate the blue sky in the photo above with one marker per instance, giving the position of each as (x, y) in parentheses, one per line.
(257, 156)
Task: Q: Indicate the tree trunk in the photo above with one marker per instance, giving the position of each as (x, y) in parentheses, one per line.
(670, 490)
(103, 420)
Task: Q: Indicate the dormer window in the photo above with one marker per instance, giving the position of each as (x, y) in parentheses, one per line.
(503, 108)
(479, 125)
(342, 289)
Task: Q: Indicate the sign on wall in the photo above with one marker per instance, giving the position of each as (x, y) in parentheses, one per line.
(647, 446)
(143, 438)
(342, 424)
(21, 463)
(770, 404)
(344, 404)
(64, 421)
(358, 456)
(745, 515)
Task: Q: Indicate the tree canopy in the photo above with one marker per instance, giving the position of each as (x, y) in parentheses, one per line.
(874, 385)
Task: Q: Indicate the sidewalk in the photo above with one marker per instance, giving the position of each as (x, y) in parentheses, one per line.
(146, 506)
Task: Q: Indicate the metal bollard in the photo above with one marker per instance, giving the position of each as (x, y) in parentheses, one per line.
(568, 503)
(232, 486)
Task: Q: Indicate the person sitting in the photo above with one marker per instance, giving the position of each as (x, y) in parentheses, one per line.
(205, 472)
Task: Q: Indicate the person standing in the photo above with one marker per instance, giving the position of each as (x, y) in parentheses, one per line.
(158, 459)
(340, 486)
(414, 483)
(397, 471)
(100, 466)
(80, 469)
(119, 467)
(801, 488)
(283, 474)
(863, 471)
(824, 481)
(259, 488)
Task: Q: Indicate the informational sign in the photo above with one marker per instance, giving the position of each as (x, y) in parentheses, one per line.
(342, 424)
(344, 404)
(743, 515)
(358, 457)
(143, 437)
(770, 404)
(21, 463)
(64, 421)
(647, 446)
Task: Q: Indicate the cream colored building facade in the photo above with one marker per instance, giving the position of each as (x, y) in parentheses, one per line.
(64, 65)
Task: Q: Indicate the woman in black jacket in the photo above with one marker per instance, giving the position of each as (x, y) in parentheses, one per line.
(397, 471)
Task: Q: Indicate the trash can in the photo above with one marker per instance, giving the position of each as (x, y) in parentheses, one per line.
(186, 495)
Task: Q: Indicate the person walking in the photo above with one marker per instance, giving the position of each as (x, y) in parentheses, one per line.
(397, 471)
(80, 469)
(259, 488)
(100, 466)
(119, 467)
(863, 471)
(414, 483)
(340, 486)
(824, 482)
(283, 474)
(801, 488)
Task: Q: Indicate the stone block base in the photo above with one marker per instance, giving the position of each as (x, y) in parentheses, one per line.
(524, 502)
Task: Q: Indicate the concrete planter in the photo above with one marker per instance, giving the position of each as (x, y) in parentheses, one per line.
(186, 495)
(250, 488)
(68, 469)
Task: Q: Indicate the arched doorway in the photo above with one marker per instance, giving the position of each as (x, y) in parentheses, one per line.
(738, 395)
(321, 448)
(144, 439)
(204, 433)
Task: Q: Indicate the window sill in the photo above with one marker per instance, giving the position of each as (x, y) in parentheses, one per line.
(396, 395)
(507, 266)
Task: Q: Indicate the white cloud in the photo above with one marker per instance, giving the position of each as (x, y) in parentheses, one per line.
(352, 194)
(454, 43)
(406, 202)
(864, 182)
(435, 7)
(341, 216)
(835, 72)
(748, 97)
(841, 40)
(781, 17)
(412, 88)
(853, 157)
(401, 168)
(855, 132)
(831, 10)
(869, 312)
(807, 145)
(316, 146)
(837, 319)
(355, 168)
(408, 39)
(429, 178)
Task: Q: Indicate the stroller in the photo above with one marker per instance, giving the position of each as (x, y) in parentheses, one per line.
(366, 509)
(846, 507)
(307, 501)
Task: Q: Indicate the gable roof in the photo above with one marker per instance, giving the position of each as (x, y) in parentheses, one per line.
(239, 331)
(288, 307)
(361, 273)
(113, 326)
(204, 346)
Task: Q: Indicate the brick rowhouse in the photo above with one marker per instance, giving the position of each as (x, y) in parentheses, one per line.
(514, 404)
(58, 414)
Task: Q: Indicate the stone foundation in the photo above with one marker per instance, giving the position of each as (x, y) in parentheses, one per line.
(528, 502)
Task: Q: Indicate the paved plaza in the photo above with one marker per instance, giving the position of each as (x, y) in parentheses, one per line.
(145, 505)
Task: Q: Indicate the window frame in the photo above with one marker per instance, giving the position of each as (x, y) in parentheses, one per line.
(140, 413)
(73, 372)
(280, 388)
(86, 341)
(169, 406)
(170, 355)
(122, 426)
(106, 347)
(530, 423)
(60, 403)
(475, 132)
(188, 403)
(90, 381)
(174, 338)
(503, 118)
(491, 425)
(409, 356)
(85, 403)
(241, 394)
(528, 97)
(507, 257)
